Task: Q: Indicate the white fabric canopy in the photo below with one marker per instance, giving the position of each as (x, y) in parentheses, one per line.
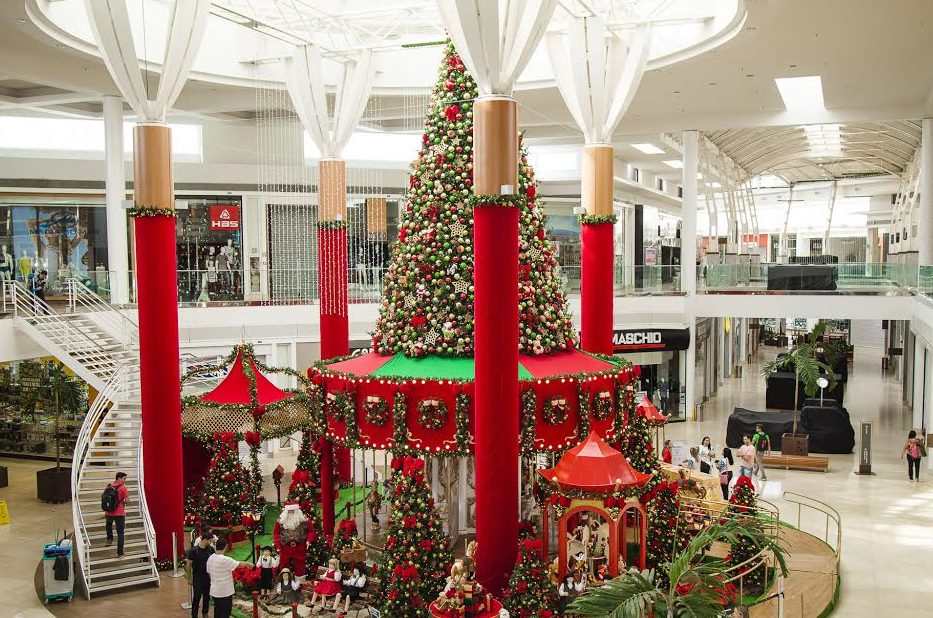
(598, 72)
(495, 38)
(305, 83)
(110, 23)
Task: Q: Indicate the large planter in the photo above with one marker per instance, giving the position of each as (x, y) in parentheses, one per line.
(795, 444)
(54, 485)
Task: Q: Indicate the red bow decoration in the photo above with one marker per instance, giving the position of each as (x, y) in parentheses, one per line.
(451, 112)
(530, 192)
(259, 412)
(252, 438)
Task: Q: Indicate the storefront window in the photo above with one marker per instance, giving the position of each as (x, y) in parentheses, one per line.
(67, 238)
(659, 353)
(210, 249)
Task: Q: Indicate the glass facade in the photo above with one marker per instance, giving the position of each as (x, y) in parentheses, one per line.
(209, 249)
(66, 237)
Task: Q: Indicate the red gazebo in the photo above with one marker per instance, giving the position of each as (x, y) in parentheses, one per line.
(594, 477)
(655, 419)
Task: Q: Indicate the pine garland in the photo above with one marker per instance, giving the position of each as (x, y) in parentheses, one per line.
(507, 200)
(151, 211)
(332, 224)
(587, 219)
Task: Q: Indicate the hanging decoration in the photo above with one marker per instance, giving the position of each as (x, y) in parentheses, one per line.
(377, 410)
(555, 410)
(432, 414)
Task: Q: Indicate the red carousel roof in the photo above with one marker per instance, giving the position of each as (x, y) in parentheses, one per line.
(235, 388)
(594, 466)
(651, 412)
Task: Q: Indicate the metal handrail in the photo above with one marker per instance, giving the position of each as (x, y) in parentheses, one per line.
(148, 529)
(39, 313)
(825, 509)
(79, 295)
(92, 421)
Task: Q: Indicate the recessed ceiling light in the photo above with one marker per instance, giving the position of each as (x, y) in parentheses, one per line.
(699, 176)
(677, 92)
(675, 163)
(750, 75)
(712, 83)
(801, 93)
(648, 148)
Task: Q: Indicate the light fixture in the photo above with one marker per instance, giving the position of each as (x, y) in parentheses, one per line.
(715, 185)
(675, 163)
(648, 148)
(825, 140)
(801, 93)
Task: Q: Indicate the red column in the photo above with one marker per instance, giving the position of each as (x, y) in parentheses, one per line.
(596, 287)
(596, 279)
(333, 268)
(157, 298)
(327, 486)
(495, 277)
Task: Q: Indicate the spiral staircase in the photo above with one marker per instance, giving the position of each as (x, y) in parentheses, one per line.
(101, 346)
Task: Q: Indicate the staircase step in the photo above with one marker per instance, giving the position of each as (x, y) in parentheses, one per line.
(102, 535)
(121, 583)
(111, 571)
(128, 558)
(131, 520)
(127, 546)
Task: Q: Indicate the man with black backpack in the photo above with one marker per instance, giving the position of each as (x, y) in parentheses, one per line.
(113, 503)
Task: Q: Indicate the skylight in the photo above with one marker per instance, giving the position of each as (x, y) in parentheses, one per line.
(824, 140)
(646, 148)
(801, 93)
(675, 163)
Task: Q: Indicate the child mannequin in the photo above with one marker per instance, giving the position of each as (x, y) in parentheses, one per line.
(287, 591)
(267, 564)
(353, 587)
(329, 585)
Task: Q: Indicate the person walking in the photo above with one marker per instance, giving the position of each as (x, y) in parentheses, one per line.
(220, 571)
(113, 502)
(762, 444)
(197, 567)
(746, 455)
(724, 467)
(707, 456)
(915, 450)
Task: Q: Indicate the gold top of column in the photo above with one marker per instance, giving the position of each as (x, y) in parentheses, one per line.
(495, 145)
(153, 184)
(597, 179)
(332, 190)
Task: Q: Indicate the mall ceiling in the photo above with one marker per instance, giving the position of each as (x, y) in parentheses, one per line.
(865, 51)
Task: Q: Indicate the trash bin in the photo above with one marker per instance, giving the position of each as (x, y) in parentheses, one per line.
(62, 586)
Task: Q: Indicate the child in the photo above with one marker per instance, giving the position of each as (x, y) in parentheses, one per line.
(666, 454)
(267, 564)
(287, 591)
(724, 466)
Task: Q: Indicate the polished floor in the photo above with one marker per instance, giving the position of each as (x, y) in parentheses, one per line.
(887, 521)
(887, 541)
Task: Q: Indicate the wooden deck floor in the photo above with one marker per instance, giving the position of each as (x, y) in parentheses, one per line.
(810, 582)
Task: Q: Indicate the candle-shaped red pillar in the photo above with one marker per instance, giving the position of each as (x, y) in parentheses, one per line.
(597, 254)
(495, 278)
(157, 299)
(333, 268)
(327, 486)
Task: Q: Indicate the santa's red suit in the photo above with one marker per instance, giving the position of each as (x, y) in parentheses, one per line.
(291, 534)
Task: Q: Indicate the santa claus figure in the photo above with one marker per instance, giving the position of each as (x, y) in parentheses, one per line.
(291, 534)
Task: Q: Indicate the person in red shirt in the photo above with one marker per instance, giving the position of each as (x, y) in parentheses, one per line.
(118, 515)
(666, 454)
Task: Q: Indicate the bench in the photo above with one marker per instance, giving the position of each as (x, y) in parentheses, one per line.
(796, 462)
(368, 595)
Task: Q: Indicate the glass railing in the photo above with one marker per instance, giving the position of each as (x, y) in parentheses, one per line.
(629, 280)
(799, 278)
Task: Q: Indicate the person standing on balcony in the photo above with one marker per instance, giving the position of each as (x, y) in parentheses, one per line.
(114, 503)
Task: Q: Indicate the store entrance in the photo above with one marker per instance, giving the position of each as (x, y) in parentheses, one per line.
(662, 384)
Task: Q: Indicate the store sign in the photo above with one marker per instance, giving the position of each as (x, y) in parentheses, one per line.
(650, 340)
(225, 217)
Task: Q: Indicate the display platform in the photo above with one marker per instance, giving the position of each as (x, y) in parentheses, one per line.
(381, 401)
(493, 612)
(828, 426)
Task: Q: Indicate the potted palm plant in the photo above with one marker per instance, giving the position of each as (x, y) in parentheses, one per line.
(803, 360)
(68, 397)
(696, 583)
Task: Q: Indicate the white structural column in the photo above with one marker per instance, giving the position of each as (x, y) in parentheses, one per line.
(117, 254)
(925, 227)
(688, 258)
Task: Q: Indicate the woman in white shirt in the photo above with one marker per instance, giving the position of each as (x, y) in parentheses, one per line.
(707, 455)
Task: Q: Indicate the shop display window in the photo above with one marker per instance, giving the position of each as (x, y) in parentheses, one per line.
(67, 238)
(33, 395)
(209, 248)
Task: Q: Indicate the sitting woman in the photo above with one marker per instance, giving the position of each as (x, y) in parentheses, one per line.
(287, 590)
(353, 586)
(329, 585)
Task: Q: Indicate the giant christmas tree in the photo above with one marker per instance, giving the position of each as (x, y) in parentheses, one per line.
(427, 301)
(416, 557)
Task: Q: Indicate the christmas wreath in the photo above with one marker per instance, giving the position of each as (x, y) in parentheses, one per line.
(602, 405)
(555, 410)
(341, 406)
(432, 414)
(377, 411)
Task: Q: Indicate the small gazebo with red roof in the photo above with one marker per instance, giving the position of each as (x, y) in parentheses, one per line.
(655, 419)
(245, 401)
(594, 477)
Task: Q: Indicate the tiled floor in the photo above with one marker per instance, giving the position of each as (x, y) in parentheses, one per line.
(887, 544)
(887, 547)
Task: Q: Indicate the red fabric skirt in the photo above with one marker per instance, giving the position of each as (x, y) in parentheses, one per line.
(328, 587)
